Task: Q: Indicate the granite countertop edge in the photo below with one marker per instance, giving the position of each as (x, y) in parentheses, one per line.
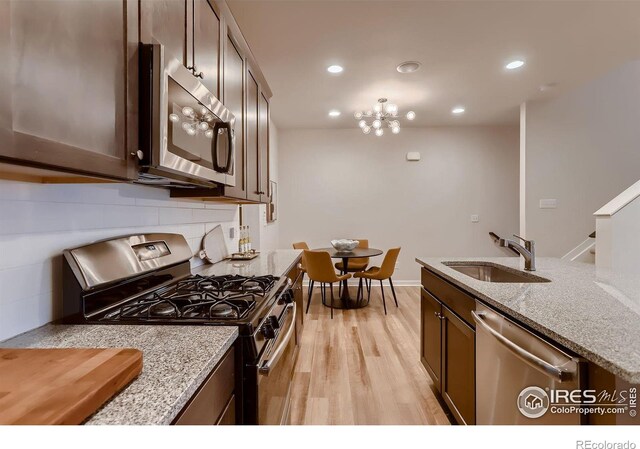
(630, 376)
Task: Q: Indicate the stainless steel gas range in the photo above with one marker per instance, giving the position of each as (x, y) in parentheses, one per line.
(147, 279)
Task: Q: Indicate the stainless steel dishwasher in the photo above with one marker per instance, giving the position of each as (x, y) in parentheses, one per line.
(516, 371)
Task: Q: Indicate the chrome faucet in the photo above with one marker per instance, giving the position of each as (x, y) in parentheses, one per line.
(528, 251)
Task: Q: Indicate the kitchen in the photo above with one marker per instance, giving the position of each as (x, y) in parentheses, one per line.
(166, 165)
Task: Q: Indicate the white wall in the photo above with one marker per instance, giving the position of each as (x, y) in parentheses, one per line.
(344, 184)
(38, 221)
(582, 149)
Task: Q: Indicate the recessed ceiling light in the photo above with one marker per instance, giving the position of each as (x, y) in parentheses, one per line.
(514, 64)
(408, 67)
(457, 110)
(334, 113)
(335, 69)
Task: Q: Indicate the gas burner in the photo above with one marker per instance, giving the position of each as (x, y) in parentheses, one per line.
(198, 298)
(222, 310)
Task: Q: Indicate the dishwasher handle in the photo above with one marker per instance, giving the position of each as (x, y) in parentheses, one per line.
(531, 359)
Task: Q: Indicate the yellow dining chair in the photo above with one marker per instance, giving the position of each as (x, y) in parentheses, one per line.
(381, 273)
(320, 269)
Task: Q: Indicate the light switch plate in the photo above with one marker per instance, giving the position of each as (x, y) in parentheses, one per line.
(475, 218)
(232, 232)
(551, 203)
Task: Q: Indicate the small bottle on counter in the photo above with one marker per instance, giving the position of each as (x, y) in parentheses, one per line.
(248, 240)
(241, 240)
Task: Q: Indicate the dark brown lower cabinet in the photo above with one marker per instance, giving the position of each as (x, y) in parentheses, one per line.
(431, 332)
(214, 403)
(458, 378)
(448, 345)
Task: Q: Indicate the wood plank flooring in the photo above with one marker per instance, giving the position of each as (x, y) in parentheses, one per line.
(363, 367)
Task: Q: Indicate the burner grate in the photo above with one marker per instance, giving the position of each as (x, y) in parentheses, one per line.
(198, 298)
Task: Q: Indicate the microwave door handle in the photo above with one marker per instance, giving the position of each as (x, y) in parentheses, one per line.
(229, 132)
(214, 147)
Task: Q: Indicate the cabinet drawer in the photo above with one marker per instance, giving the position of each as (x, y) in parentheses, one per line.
(212, 398)
(454, 298)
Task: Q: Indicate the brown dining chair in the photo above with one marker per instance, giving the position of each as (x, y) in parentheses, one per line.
(301, 245)
(356, 264)
(381, 273)
(320, 269)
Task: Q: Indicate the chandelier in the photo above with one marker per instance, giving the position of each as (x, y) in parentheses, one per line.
(194, 122)
(382, 113)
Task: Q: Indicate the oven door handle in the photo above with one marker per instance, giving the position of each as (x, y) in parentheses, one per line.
(277, 352)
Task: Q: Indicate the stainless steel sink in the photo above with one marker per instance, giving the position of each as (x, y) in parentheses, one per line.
(491, 272)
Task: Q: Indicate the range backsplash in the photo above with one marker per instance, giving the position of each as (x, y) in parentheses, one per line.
(38, 221)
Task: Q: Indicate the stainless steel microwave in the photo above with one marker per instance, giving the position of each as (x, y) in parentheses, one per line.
(186, 134)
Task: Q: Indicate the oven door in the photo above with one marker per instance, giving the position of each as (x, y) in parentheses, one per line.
(188, 131)
(275, 372)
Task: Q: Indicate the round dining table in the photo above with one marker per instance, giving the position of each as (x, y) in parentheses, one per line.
(346, 301)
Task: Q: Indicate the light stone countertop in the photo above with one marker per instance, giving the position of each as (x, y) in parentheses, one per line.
(175, 362)
(594, 313)
(276, 263)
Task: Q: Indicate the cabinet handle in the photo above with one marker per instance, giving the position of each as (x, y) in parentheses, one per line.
(439, 315)
(139, 154)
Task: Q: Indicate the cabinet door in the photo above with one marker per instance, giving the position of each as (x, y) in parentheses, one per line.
(431, 336)
(458, 367)
(263, 139)
(234, 101)
(73, 85)
(253, 174)
(206, 41)
(165, 21)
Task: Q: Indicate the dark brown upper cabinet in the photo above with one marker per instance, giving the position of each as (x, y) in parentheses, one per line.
(234, 71)
(68, 85)
(253, 142)
(263, 148)
(206, 45)
(189, 31)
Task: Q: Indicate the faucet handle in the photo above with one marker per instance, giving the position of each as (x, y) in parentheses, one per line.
(521, 238)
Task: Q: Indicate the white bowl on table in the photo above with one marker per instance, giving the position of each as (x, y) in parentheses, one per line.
(344, 245)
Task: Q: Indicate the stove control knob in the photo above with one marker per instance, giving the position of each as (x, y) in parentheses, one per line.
(273, 322)
(287, 297)
(268, 331)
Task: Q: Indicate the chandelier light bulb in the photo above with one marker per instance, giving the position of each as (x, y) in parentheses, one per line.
(203, 110)
(395, 129)
(174, 118)
(377, 124)
(366, 129)
(188, 111)
(186, 126)
(411, 115)
(379, 132)
(191, 132)
(362, 124)
(358, 115)
(203, 126)
(378, 107)
(209, 133)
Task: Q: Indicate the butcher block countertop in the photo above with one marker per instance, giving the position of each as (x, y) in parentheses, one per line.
(177, 359)
(61, 386)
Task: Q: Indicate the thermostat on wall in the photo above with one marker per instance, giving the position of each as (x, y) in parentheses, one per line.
(413, 156)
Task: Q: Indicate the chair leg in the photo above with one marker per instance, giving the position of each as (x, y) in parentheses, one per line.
(368, 290)
(310, 293)
(331, 300)
(384, 302)
(393, 290)
(340, 285)
(358, 297)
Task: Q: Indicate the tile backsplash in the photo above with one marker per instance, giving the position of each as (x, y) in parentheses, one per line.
(38, 221)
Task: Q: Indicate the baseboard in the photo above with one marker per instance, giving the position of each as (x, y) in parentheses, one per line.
(396, 283)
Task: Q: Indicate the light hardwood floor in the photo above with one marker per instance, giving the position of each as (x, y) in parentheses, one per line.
(363, 367)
